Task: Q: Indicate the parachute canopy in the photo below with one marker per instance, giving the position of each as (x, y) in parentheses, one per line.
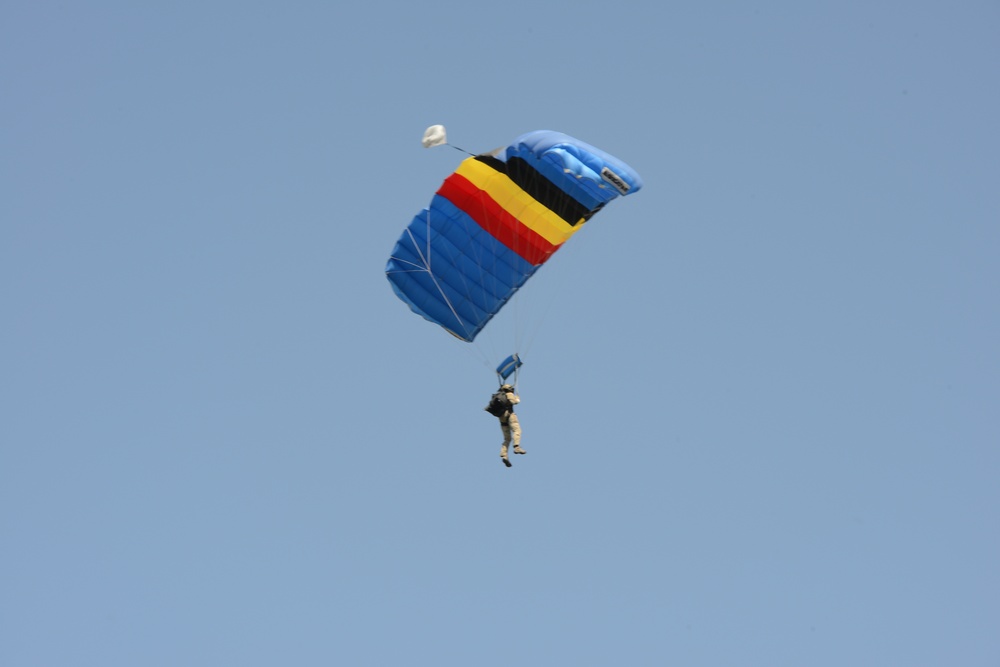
(495, 221)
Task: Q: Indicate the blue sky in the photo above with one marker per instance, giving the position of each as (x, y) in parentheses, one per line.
(759, 396)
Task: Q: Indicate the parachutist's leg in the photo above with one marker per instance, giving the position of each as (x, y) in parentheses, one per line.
(506, 441)
(515, 431)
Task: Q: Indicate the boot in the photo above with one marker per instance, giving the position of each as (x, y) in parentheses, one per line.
(518, 450)
(506, 461)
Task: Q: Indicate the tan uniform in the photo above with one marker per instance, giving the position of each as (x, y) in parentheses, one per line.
(511, 428)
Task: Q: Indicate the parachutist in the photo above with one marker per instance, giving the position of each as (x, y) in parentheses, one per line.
(501, 406)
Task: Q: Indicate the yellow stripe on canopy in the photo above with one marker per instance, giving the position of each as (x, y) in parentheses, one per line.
(517, 202)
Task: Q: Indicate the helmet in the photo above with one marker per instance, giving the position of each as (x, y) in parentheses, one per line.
(506, 387)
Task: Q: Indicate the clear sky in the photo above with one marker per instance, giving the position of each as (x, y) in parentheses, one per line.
(759, 402)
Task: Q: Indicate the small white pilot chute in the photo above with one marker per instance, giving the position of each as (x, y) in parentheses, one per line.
(435, 135)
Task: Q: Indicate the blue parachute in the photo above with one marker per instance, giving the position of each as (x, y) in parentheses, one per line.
(495, 221)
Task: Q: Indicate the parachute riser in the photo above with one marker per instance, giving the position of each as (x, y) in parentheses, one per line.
(501, 380)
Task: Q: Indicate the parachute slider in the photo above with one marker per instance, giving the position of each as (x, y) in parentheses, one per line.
(509, 366)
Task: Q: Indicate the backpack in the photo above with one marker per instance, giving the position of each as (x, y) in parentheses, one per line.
(498, 404)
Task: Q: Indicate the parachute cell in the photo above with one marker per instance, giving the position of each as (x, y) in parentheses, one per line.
(495, 221)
